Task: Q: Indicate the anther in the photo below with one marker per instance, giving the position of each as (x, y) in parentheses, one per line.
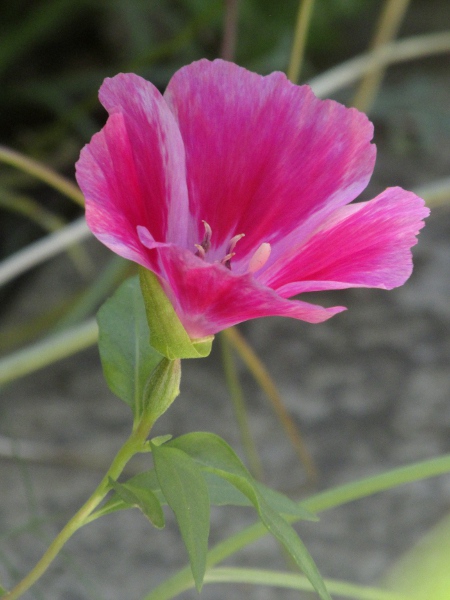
(234, 240)
(203, 248)
(226, 260)
(200, 251)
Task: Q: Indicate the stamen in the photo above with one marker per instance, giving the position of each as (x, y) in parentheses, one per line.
(206, 244)
(234, 240)
(259, 258)
(226, 260)
(200, 251)
(203, 248)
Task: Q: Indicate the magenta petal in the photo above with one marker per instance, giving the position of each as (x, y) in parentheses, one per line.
(133, 172)
(209, 297)
(265, 156)
(235, 189)
(362, 245)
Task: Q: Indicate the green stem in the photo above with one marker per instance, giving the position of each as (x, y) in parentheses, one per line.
(296, 582)
(182, 580)
(133, 445)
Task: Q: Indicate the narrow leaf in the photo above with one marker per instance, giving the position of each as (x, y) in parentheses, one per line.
(219, 458)
(141, 498)
(186, 492)
(283, 504)
(287, 536)
(126, 355)
(212, 451)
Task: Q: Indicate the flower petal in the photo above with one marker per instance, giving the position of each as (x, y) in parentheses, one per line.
(133, 172)
(363, 245)
(264, 155)
(209, 297)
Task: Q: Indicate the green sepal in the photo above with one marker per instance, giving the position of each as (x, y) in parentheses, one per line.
(167, 334)
(218, 457)
(184, 487)
(127, 357)
(161, 389)
(142, 498)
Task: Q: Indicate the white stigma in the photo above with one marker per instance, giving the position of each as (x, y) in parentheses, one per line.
(259, 258)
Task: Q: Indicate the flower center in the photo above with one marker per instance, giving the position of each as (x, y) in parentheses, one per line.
(202, 249)
(257, 261)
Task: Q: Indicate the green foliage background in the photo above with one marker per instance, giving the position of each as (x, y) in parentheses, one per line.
(55, 53)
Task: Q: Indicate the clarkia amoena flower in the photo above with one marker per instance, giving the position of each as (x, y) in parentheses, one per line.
(234, 189)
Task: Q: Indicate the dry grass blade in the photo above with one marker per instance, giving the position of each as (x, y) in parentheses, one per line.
(266, 383)
(237, 397)
(40, 171)
(230, 23)
(387, 27)
(48, 221)
(346, 73)
(43, 249)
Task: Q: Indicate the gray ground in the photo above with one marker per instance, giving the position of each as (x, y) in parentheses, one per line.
(368, 389)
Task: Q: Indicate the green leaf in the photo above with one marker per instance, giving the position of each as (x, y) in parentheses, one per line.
(142, 498)
(147, 481)
(287, 536)
(186, 492)
(222, 492)
(167, 333)
(126, 355)
(283, 504)
(218, 457)
(212, 451)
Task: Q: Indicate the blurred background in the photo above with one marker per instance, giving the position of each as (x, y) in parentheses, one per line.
(366, 391)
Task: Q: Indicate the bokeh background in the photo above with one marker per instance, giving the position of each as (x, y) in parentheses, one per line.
(367, 391)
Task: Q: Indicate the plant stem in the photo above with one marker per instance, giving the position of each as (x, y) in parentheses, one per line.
(296, 582)
(298, 47)
(133, 445)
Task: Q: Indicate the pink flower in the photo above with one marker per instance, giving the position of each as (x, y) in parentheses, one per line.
(234, 189)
